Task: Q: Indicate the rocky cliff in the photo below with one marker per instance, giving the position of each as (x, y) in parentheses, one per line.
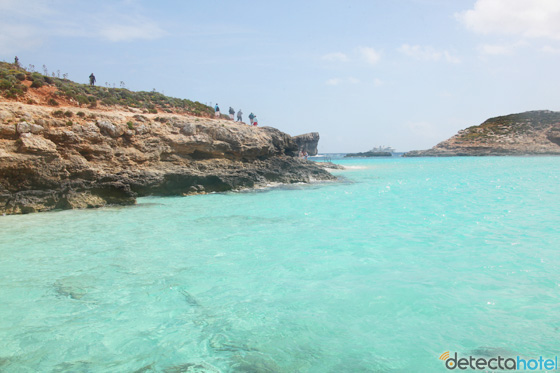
(62, 158)
(529, 133)
(308, 142)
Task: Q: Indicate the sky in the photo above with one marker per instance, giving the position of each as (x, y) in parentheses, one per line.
(363, 73)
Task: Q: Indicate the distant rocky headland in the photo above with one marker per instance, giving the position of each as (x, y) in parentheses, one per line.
(378, 151)
(529, 133)
(63, 146)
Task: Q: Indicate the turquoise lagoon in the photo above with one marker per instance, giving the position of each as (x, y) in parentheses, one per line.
(383, 271)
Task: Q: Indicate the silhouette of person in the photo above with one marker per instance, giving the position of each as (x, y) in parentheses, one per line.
(217, 111)
(239, 114)
(231, 112)
(92, 79)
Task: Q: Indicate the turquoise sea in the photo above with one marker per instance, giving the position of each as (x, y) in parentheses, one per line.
(383, 271)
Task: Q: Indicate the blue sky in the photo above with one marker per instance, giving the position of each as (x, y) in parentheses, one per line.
(404, 73)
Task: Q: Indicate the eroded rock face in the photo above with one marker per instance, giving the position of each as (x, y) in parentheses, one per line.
(553, 135)
(102, 159)
(529, 133)
(308, 142)
(36, 144)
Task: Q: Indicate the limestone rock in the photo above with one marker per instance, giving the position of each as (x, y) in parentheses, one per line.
(188, 129)
(35, 128)
(36, 144)
(7, 130)
(23, 127)
(308, 142)
(110, 129)
(141, 129)
(45, 164)
(553, 135)
(529, 133)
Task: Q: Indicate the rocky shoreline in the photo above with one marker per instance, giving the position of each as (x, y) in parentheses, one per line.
(64, 158)
(529, 133)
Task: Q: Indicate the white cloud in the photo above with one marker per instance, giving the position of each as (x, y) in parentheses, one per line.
(497, 50)
(501, 49)
(25, 24)
(339, 81)
(526, 18)
(427, 53)
(28, 8)
(17, 37)
(451, 58)
(333, 81)
(377, 82)
(133, 29)
(336, 56)
(549, 49)
(370, 55)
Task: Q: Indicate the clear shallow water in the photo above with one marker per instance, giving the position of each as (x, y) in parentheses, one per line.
(383, 272)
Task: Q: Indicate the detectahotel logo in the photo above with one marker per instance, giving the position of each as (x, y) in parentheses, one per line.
(497, 363)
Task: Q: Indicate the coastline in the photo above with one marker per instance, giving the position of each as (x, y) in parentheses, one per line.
(521, 134)
(86, 158)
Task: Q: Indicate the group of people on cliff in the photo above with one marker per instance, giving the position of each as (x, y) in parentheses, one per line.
(252, 117)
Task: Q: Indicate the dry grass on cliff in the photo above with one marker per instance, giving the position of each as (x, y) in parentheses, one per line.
(21, 85)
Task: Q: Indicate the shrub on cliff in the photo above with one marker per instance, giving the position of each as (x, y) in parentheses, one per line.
(11, 89)
(82, 100)
(84, 94)
(37, 84)
(5, 84)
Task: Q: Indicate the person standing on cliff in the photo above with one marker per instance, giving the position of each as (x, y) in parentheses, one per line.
(251, 117)
(92, 80)
(255, 121)
(217, 111)
(239, 114)
(231, 112)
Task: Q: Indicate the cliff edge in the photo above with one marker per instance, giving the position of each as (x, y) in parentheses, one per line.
(529, 133)
(308, 142)
(73, 157)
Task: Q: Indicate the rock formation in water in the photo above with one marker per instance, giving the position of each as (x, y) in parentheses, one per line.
(529, 133)
(308, 142)
(53, 158)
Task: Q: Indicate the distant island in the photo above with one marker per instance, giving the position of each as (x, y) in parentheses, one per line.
(528, 133)
(67, 145)
(379, 151)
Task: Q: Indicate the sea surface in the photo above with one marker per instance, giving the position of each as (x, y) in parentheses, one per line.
(383, 271)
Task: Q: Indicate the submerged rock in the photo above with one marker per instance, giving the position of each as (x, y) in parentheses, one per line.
(255, 362)
(202, 367)
(73, 287)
